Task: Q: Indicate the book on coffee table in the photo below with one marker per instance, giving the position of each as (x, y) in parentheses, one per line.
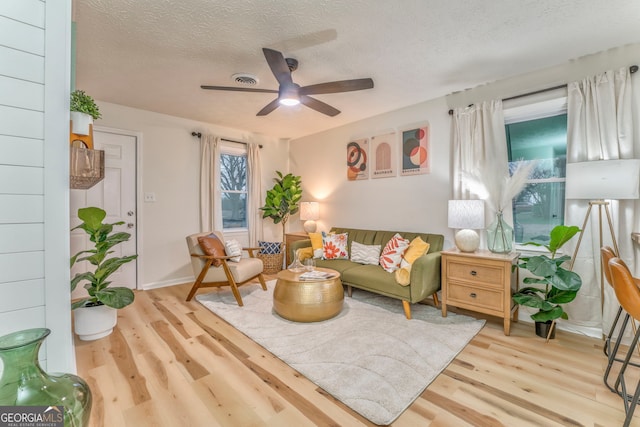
(315, 275)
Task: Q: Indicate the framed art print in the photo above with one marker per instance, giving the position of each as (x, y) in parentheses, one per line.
(383, 154)
(358, 159)
(415, 151)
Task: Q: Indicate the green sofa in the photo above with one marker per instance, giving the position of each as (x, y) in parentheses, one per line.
(425, 271)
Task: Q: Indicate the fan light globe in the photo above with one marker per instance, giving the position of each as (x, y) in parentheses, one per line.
(289, 102)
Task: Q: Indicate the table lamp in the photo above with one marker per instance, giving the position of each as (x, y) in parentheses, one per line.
(309, 212)
(467, 216)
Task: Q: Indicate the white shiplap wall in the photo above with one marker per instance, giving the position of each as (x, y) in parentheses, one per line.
(34, 90)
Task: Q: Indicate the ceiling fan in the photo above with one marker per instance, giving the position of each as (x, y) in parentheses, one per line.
(290, 93)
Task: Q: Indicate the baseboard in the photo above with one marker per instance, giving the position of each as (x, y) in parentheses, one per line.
(165, 283)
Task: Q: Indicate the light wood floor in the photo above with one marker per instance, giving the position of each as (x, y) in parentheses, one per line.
(174, 363)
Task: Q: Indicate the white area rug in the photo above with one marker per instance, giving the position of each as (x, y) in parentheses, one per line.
(370, 357)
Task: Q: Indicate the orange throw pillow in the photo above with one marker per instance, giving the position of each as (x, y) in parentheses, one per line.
(212, 246)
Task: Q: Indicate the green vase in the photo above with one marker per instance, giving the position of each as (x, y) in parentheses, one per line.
(500, 236)
(24, 383)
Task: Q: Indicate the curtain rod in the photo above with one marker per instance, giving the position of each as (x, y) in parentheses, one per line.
(632, 70)
(199, 135)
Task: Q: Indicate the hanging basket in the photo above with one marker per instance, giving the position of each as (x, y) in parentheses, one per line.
(272, 263)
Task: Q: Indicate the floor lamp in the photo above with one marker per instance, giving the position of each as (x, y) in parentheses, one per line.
(600, 181)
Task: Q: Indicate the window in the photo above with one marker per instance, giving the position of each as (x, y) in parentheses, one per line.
(540, 206)
(233, 186)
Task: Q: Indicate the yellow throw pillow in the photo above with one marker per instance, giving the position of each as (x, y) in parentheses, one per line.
(316, 244)
(316, 240)
(403, 276)
(304, 253)
(417, 248)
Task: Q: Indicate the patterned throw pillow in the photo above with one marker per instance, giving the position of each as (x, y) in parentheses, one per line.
(392, 253)
(365, 254)
(233, 248)
(212, 246)
(269, 248)
(334, 246)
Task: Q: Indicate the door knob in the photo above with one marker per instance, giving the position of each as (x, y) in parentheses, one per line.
(130, 213)
(130, 225)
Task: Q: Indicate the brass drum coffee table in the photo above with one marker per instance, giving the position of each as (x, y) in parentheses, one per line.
(308, 300)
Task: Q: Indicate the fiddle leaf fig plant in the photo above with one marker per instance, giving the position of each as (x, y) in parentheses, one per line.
(96, 283)
(556, 285)
(283, 200)
(83, 103)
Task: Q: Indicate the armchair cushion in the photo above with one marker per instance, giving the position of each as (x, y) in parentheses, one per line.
(211, 245)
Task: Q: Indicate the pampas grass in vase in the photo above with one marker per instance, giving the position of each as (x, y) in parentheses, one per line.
(498, 190)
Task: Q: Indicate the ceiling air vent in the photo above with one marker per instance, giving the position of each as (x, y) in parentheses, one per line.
(245, 79)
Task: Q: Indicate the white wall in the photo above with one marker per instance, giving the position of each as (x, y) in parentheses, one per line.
(403, 203)
(414, 203)
(170, 168)
(34, 173)
(417, 203)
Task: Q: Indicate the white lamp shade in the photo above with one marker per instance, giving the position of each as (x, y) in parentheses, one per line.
(309, 211)
(466, 214)
(603, 179)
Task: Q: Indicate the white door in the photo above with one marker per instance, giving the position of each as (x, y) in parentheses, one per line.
(116, 194)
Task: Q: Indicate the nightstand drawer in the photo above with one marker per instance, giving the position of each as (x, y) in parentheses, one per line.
(486, 274)
(474, 296)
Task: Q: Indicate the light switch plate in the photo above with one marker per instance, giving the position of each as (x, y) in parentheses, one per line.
(149, 197)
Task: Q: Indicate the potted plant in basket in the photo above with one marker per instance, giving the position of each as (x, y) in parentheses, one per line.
(283, 200)
(84, 111)
(560, 286)
(96, 315)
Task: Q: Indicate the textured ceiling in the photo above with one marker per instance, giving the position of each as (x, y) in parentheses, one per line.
(154, 54)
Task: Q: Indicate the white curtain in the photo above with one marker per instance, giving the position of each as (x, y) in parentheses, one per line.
(255, 194)
(210, 211)
(602, 124)
(479, 137)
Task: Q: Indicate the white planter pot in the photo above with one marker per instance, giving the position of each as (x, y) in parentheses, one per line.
(92, 323)
(80, 123)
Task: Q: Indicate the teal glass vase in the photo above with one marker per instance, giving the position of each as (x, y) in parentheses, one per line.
(24, 383)
(500, 236)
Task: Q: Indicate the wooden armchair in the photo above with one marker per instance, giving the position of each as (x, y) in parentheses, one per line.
(228, 273)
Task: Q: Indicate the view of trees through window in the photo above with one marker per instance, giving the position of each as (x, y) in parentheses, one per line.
(233, 183)
(540, 206)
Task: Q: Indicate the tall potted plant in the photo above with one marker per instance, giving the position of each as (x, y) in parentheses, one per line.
(283, 200)
(556, 285)
(96, 315)
(84, 111)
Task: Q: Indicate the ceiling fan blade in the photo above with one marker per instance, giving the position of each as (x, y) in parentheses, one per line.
(278, 65)
(319, 106)
(238, 89)
(339, 86)
(269, 108)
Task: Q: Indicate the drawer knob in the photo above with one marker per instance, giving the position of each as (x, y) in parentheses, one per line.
(472, 295)
(474, 273)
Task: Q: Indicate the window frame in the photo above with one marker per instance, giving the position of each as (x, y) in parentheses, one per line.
(528, 108)
(233, 149)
